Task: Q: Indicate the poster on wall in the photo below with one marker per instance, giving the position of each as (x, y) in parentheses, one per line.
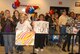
(24, 38)
(41, 27)
(77, 4)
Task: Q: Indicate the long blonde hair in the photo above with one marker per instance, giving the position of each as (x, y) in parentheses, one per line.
(22, 17)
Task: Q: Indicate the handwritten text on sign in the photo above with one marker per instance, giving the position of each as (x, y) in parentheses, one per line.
(41, 27)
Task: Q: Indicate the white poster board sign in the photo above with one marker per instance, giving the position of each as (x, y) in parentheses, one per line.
(24, 38)
(41, 27)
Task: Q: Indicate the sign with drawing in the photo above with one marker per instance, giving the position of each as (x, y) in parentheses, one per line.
(41, 27)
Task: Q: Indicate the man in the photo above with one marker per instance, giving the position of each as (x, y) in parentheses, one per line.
(62, 25)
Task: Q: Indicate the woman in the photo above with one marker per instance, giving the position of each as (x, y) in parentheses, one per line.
(7, 24)
(57, 23)
(23, 25)
(39, 38)
(52, 27)
(16, 16)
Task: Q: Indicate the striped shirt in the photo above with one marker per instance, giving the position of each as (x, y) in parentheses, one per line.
(78, 25)
(70, 21)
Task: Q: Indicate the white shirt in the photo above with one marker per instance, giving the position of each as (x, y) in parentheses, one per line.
(24, 26)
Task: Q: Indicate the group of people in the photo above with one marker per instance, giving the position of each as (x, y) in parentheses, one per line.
(63, 24)
(19, 21)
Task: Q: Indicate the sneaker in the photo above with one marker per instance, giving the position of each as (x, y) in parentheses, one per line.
(77, 43)
(68, 50)
(20, 52)
(11, 53)
(17, 51)
(59, 45)
(37, 50)
(64, 50)
(42, 50)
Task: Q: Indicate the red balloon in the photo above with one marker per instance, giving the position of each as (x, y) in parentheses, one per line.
(36, 7)
(51, 12)
(27, 10)
(17, 3)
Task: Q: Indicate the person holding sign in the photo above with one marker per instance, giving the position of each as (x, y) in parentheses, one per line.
(23, 25)
(40, 29)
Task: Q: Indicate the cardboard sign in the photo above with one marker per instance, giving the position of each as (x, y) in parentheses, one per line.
(41, 27)
(24, 38)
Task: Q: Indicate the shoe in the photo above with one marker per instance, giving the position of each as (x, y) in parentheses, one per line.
(64, 50)
(17, 51)
(42, 50)
(11, 53)
(2, 44)
(68, 50)
(20, 52)
(59, 45)
(77, 43)
(37, 50)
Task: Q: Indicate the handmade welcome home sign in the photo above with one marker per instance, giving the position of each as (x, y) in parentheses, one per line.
(41, 27)
(24, 38)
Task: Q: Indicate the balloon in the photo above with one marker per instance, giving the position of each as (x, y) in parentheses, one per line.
(14, 6)
(17, 3)
(51, 12)
(31, 10)
(35, 7)
(27, 10)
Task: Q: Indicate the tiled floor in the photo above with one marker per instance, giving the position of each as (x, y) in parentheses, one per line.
(47, 50)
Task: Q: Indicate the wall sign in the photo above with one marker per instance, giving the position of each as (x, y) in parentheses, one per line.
(77, 4)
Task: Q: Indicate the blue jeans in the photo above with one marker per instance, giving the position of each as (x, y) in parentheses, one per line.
(8, 42)
(62, 31)
(51, 33)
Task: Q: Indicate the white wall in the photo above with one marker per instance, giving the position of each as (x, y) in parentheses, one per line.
(43, 4)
